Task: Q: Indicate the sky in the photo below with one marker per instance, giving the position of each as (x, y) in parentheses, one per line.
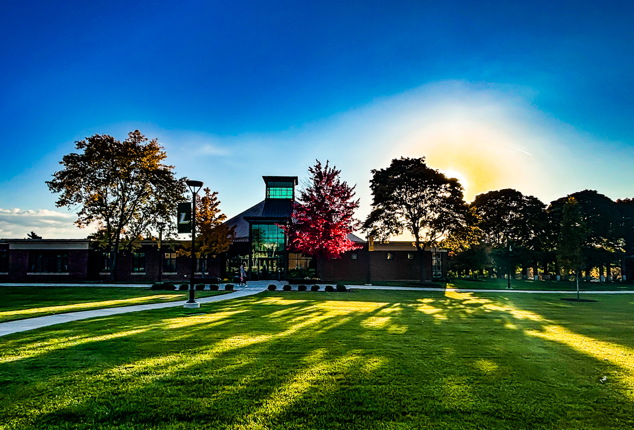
(535, 96)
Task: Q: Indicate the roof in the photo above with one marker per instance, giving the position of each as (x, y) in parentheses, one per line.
(270, 210)
(268, 179)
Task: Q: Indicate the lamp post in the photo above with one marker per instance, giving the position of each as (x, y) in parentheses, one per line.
(194, 187)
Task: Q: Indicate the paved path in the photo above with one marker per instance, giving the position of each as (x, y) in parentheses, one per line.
(11, 327)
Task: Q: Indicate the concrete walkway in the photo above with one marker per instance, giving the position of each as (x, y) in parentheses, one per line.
(26, 324)
(254, 287)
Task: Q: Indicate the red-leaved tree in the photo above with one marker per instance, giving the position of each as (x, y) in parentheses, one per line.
(323, 216)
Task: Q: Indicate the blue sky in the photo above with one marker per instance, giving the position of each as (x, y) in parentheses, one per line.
(534, 95)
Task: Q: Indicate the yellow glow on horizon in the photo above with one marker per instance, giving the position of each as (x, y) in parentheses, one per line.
(481, 154)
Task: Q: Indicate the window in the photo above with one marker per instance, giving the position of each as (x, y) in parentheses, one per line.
(169, 262)
(410, 255)
(354, 256)
(279, 190)
(4, 261)
(389, 256)
(267, 240)
(48, 262)
(138, 262)
(105, 262)
(436, 265)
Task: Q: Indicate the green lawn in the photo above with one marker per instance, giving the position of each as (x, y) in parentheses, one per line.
(33, 301)
(521, 284)
(357, 360)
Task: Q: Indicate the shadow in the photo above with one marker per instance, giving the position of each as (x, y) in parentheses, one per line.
(366, 360)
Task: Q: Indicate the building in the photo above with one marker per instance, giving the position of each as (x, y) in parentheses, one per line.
(259, 244)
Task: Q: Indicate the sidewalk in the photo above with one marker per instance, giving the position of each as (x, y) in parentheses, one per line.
(18, 326)
(253, 287)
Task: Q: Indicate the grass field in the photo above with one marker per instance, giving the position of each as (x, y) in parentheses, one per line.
(357, 360)
(36, 301)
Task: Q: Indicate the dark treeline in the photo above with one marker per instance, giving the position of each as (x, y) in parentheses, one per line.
(585, 233)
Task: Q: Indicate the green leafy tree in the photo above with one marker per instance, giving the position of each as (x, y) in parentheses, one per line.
(573, 235)
(509, 220)
(121, 186)
(410, 196)
(604, 222)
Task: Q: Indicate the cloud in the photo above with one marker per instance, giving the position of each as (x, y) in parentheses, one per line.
(17, 223)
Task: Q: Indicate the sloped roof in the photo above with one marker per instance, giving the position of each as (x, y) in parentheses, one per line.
(266, 210)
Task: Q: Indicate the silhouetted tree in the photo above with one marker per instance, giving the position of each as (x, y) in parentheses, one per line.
(122, 186)
(510, 220)
(410, 196)
(33, 236)
(604, 223)
(323, 216)
(573, 235)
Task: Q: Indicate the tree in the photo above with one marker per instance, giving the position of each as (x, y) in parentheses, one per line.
(213, 236)
(604, 224)
(33, 236)
(121, 186)
(409, 195)
(509, 220)
(572, 238)
(323, 216)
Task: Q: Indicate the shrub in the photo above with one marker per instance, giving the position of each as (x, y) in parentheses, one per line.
(213, 287)
(341, 288)
(314, 288)
(287, 287)
(157, 286)
(200, 287)
(272, 287)
(169, 286)
(301, 287)
(184, 287)
(229, 287)
(330, 288)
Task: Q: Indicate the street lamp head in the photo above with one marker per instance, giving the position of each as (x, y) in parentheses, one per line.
(194, 186)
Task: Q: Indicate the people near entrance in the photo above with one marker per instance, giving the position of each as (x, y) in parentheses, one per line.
(243, 275)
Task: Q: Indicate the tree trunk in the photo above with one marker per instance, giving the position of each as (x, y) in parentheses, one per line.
(421, 259)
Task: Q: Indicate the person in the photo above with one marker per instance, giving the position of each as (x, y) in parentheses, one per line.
(243, 275)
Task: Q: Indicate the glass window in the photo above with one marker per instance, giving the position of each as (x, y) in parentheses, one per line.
(410, 255)
(138, 262)
(169, 262)
(267, 240)
(389, 256)
(436, 268)
(105, 262)
(4, 260)
(48, 262)
(279, 190)
(354, 256)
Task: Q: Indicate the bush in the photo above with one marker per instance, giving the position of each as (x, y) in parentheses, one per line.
(184, 287)
(169, 286)
(229, 287)
(330, 288)
(157, 286)
(213, 287)
(272, 287)
(200, 287)
(341, 288)
(314, 288)
(287, 287)
(301, 287)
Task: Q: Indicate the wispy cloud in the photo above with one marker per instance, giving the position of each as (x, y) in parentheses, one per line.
(17, 223)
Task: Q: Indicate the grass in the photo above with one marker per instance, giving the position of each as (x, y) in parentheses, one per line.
(33, 301)
(358, 360)
(523, 284)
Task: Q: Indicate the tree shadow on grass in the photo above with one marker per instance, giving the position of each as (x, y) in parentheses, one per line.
(361, 360)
